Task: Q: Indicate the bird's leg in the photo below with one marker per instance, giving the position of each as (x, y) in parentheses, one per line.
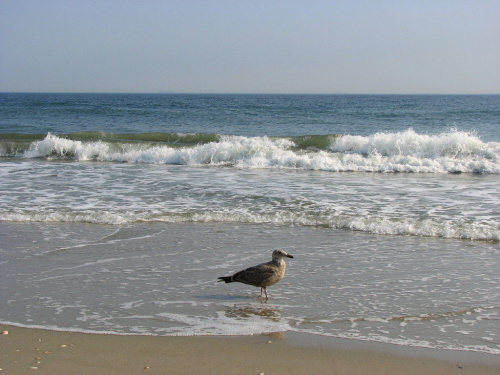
(263, 288)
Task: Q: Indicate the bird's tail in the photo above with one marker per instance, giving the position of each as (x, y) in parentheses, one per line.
(227, 279)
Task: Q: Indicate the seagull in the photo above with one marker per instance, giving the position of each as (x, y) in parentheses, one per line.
(263, 275)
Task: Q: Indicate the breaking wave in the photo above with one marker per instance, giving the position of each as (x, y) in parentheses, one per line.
(407, 151)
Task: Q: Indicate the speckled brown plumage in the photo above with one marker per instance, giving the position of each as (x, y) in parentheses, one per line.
(262, 275)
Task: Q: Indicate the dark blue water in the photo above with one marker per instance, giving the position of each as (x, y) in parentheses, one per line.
(250, 115)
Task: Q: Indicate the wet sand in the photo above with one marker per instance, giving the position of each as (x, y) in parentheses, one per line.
(29, 351)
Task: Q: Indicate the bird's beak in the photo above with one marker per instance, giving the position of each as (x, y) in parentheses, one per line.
(289, 256)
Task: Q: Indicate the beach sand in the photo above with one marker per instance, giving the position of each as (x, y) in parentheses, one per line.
(29, 351)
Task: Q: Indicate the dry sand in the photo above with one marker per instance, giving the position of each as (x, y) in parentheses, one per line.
(33, 351)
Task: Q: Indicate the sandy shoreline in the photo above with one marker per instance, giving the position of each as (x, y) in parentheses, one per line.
(28, 351)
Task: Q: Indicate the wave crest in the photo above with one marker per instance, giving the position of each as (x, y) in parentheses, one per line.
(408, 151)
(453, 144)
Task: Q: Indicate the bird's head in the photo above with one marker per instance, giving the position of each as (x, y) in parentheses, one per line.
(280, 254)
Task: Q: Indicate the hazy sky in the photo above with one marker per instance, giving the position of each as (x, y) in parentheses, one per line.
(254, 46)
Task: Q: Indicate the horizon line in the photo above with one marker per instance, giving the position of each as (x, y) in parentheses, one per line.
(224, 93)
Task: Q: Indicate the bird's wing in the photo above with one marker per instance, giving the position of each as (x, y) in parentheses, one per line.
(256, 275)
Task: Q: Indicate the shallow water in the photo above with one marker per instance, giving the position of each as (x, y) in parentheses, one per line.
(160, 279)
(452, 206)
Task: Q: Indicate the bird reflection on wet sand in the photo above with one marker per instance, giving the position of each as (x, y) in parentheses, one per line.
(247, 311)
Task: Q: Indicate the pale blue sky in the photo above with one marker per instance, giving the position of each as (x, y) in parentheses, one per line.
(257, 46)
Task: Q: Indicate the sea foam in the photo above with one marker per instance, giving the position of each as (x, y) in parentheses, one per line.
(482, 231)
(408, 151)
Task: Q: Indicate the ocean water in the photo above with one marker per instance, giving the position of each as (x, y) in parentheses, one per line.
(119, 212)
